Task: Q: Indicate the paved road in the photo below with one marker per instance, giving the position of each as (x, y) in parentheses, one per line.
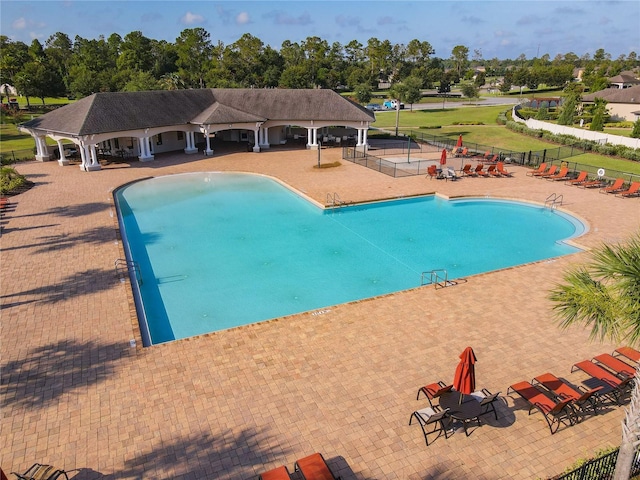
(484, 102)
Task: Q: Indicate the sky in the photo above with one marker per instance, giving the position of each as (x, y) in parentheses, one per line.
(495, 29)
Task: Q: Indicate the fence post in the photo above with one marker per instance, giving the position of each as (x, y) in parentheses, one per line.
(544, 155)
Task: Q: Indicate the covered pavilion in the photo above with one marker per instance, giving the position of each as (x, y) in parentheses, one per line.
(141, 124)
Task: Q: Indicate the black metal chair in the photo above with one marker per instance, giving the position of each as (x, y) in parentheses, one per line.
(432, 420)
(487, 401)
(38, 471)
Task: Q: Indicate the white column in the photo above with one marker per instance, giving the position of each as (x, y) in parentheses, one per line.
(191, 143)
(256, 139)
(145, 150)
(313, 138)
(42, 153)
(364, 136)
(208, 150)
(187, 140)
(62, 161)
(264, 137)
(91, 163)
(84, 157)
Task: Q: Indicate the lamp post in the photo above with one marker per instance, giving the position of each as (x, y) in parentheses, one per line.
(397, 115)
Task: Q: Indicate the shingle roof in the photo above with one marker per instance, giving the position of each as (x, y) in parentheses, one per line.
(124, 111)
(624, 78)
(616, 95)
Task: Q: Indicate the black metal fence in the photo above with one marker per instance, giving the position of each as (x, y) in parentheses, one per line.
(531, 157)
(600, 468)
(378, 163)
(421, 142)
(14, 156)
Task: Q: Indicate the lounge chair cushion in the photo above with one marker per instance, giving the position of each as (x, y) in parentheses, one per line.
(314, 467)
(280, 473)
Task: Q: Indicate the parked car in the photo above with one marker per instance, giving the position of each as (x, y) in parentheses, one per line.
(392, 104)
(374, 107)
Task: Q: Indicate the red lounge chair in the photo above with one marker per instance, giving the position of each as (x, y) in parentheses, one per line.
(479, 170)
(593, 184)
(280, 473)
(549, 173)
(434, 390)
(465, 152)
(314, 467)
(562, 175)
(486, 156)
(432, 171)
(615, 188)
(539, 171)
(493, 159)
(633, 191)
(617, 386)
(617, 366)
(492, 171)
(580, 179)
(554, 413)
(467, 172)
(502, 171)
(564, 390)
(631, 353)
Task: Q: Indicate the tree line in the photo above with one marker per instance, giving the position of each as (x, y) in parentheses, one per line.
(81, 67)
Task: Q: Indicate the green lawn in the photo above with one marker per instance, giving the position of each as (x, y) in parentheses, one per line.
(489, 133)
(439, 117)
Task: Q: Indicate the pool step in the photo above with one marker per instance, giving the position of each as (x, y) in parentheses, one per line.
(437, 278)
(124, 268)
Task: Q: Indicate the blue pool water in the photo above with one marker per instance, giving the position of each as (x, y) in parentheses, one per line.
(219, 250)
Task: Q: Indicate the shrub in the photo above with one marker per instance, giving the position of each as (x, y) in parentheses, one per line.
(10, 180)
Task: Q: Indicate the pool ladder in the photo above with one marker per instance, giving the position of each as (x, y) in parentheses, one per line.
(437, 278)
(123, 267)
(553, 201)
(333, 200)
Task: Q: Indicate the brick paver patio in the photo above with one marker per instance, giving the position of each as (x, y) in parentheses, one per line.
(232, 404)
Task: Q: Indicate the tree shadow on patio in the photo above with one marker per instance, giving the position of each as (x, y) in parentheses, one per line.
(81, 283)
(49, 372)
(240, 455)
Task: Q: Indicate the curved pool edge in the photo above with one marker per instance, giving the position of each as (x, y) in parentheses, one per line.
(142, 328)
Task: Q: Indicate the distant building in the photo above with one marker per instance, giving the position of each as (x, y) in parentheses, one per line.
(622, 103)
(624, 80)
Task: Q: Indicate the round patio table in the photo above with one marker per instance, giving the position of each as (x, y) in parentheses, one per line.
(463, 408)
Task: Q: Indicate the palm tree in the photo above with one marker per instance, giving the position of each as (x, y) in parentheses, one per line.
(604, 295)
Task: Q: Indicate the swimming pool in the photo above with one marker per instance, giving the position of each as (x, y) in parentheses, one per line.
(220, 250)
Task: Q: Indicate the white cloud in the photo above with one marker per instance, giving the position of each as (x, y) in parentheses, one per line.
(347, 21)
(191, 18)
(242, 18)
(19, 24)
(283, 18)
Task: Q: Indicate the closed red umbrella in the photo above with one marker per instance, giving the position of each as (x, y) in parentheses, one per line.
(443, 157)
(464, 380)
(459, 144)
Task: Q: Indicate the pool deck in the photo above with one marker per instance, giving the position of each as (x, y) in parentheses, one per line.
(233, 404)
